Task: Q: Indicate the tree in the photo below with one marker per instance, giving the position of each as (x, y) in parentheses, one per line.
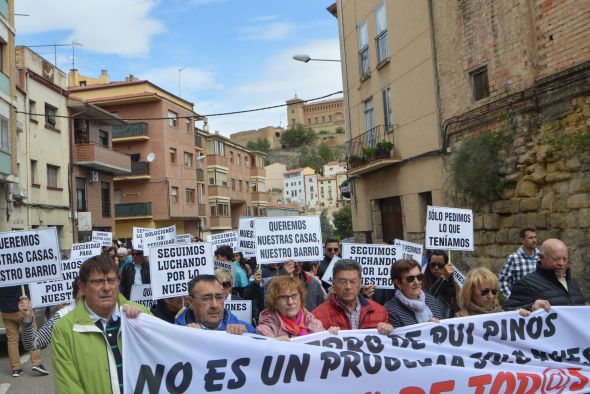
(297, 136)
(342, 219)
(325, 153)
(327, 229)
(261, 145)
(316, 158)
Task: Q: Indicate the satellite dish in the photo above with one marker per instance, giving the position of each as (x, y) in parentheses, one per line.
(151, 157)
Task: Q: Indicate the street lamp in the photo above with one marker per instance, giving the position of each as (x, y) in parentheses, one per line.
(306, 58)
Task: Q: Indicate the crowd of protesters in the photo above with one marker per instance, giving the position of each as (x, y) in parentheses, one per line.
(288, 300)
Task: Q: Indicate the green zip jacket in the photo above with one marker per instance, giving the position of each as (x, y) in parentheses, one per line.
(83, 362)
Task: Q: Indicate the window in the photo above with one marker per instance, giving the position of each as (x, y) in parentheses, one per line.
(233, 184)
(52, 173)
(216, 147)
(50, 112)
(103, 137)
(323, 119)
(34, 180)
(387, 114)
(363, 37)
(81, 194)
(240, 185)
(329, 118)
(316, 120)
(231, 156)
(174, 194)
(187, 123)
(239, 158)
(308, 120)
(188, 159)
(173, 155)
(172, 118)
(217, 177)
(4, 135)
(481, 87)
(32, 111)
(369, 111)
(105, 194)
(246, 161)
(190, 196)
(381, 33)
(219, 208)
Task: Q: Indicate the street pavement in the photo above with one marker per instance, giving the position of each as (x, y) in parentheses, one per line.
(28, 382)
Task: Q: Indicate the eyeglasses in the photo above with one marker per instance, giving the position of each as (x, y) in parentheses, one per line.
(332, 249)
(208, 298)
(485, 292)
(100, 282)
(437, 266)
(411, 278)
(344, 282)
(225, 285)
(287, 297)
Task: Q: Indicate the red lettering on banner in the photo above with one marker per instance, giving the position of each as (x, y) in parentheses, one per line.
(583, 380)
(504, 382)
(553, 380)
(479, 382)
(523, 383)
(437, 388)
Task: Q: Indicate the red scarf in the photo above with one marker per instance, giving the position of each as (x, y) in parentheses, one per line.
(295, 327)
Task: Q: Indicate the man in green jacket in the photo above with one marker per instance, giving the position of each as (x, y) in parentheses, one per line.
(87, 351)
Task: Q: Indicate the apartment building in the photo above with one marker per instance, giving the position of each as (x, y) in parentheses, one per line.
(393, 141)
(41, 198)
(311, 191)
(161, 189)
(294, 185)
(327, 192)
(236, 183)
(334, 167)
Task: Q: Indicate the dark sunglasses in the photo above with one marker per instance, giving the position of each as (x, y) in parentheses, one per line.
(437, 266)
(410, 278)
(225, 285)
(332, 249)
(485, 292)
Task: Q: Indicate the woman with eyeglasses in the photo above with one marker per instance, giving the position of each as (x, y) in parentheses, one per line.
(284, 316)
(439, 281)
(479, 294)
(410, 305)
(224, 277)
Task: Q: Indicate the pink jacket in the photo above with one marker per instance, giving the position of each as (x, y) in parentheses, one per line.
(271, 325)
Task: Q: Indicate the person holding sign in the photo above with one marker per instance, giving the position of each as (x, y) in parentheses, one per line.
(206, 308)
(285, 317)
(346, 308)
(439, 281)
(410, 305)
(137, 273)
(331, 249)
(86, 347)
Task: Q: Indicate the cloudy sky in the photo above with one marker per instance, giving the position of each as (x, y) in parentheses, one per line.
(235, 54)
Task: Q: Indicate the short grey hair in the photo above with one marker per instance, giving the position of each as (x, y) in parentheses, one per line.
(346, 265)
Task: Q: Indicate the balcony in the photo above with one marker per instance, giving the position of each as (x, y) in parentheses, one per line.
(213, 160)
(198, 142)
(200, 175)
(140, 170)
(218, 191)
(130, 132)
(101, 158)
(258, 196)
(220, 223)
(254, 171)
(202, 210)
(370, 151)
(133, 210)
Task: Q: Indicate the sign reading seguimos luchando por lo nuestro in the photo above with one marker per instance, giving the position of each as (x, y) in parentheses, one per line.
(29, 256)
(56, 292)
(449, 228)
(297, 238)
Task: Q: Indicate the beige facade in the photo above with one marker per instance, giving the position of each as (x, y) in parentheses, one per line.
(319, 115)
(389, 85)
(274, 176)
(270, 133)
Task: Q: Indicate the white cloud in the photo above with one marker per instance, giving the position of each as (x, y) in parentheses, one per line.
(266, 31)
(206, 2)
(264, 18)
(193, 81)
(102, 26)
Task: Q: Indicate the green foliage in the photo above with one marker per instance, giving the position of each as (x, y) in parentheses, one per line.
(327, 229)
(567, 143)
(384, 146)
(316, 158)
(261, 145)
(475, 167)
(339, 130)
(298, 136)
(323, 132)
(343, 222)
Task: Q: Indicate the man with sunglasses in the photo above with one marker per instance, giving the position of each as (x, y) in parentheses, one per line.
(135, 274)
(206, 308)
(520, 263)
(86, 343)
(550, 285)
(332, 248)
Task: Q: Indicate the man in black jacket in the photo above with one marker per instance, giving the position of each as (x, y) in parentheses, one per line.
(137, 273)
(550, 285)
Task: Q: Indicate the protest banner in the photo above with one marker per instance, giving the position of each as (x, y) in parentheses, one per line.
(490, 353)
(183, 239)
(297, 238)
(104, 237)
(329, 273)
(375, 260)
(409, 250)
(137, 240)
(56, 292)
(85, 250)
(246, 238)
(158, 237)
(171, 267)
(29, 256)
(142, 294)
(229, 238)
(449, 228)
(242, 309)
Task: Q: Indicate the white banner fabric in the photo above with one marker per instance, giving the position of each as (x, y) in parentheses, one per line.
(494, 353)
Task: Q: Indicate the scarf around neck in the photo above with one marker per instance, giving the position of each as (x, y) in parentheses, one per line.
(478, 310)
(295, 327)
(421, 311)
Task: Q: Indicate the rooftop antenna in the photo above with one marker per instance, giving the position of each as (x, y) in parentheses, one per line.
(74, 43)
(54, 50)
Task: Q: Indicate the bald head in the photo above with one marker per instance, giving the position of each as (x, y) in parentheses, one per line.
(554, 256)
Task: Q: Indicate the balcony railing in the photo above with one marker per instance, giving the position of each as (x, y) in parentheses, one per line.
(200, 175)
(133, 209)
(373, 145)
(101, 158)
(139, 168)
(130, 131)
(198, 141)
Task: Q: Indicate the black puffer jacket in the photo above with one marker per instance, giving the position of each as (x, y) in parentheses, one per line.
(543, 285)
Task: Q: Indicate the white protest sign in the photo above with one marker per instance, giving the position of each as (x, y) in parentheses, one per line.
(104, 237)
(137, 241)
(246, 237)
(159, 237)
(409, 250)
(86, 250)
(490, 353)
(183, 239)
(229, 238)
(329, 273)
(297, 238)
(171, 267)
(228, 265)
(242, 309)
(29, 256)
(376, 262)
(449, 228)
(56, 291)
(142, 294)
